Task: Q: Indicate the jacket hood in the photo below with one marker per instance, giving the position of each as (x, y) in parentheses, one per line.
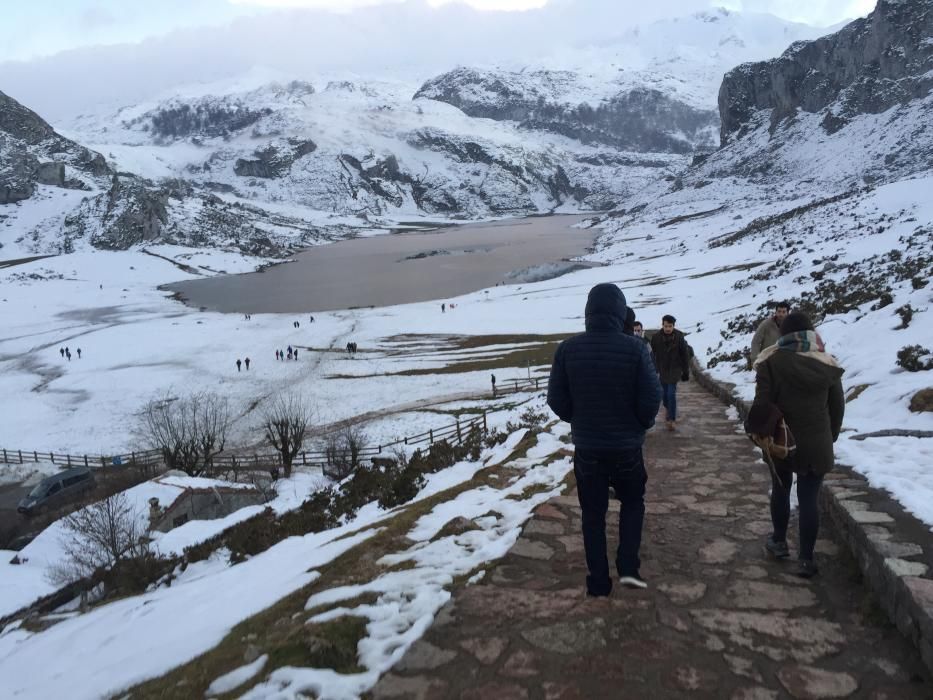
(605, 308)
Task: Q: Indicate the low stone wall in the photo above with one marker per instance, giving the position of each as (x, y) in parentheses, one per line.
(894, 550)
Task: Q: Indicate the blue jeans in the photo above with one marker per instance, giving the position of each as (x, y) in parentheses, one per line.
(595, 473)
(669, 399)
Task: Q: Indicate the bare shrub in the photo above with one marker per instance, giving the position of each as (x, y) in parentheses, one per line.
(188, 431)
(285, 425)
(100, 536)
(342, 450)
(530, 418)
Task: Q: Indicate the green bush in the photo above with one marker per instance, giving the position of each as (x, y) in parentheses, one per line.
(915, 358)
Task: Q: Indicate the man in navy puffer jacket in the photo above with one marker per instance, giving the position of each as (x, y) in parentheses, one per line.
(603, 383)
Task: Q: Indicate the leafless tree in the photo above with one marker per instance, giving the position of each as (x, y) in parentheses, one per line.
(98, 536)
(343, 449)
(285, 425)
(189, 431)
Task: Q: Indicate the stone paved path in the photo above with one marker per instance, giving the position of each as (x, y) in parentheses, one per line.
(720, 620)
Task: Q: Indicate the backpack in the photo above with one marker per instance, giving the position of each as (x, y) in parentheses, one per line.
(766, 427)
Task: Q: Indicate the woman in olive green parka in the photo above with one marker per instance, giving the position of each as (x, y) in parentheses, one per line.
(805, 383)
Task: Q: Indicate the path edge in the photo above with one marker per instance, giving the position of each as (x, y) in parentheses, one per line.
(894, 549)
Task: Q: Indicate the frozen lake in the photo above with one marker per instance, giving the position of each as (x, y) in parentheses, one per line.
(400, 268)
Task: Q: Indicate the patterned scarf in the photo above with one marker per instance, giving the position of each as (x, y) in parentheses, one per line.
(805, 343)
(801, 341)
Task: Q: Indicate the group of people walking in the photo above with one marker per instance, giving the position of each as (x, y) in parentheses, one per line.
(609, 383)
(244, 362)
(291, 354)
(66, 352)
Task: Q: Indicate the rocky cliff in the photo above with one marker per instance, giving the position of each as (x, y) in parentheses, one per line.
(871, 65)
(32, 153)
(637, 119)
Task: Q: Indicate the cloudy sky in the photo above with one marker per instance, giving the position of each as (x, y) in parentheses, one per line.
(42, 28)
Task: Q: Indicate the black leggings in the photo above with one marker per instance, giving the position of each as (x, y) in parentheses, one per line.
(808, 491)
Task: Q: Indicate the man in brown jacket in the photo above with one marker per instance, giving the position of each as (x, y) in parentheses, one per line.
(768, 330)
(805, 382)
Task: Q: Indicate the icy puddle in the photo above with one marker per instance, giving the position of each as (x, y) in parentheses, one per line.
(401, 268)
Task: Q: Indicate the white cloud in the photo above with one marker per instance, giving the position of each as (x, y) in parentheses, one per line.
(815, 12)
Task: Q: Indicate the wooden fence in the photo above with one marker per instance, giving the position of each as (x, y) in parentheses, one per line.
(234, 462)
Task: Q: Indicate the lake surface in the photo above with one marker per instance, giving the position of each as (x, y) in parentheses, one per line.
(400, 268)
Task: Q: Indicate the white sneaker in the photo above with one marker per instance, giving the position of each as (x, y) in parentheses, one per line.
(635, 581)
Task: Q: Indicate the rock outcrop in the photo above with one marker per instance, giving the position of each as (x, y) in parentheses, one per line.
(637, 119)
(869, 66)
(274, 160)
(32, 152)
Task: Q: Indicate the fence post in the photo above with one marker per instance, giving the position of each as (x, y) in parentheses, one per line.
(85, 461)
(431, 435)
(52, 457)
(406, 440)
(485, 429)
(304, 459)
(536, 383)
(35, 457)
(459, 435)
(103, 462)
(4, 454)
(20, 456)
(133, 458)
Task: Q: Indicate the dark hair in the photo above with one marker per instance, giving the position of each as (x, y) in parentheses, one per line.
(782, 305)
(667, 318)
(795, 323)
(638, 323)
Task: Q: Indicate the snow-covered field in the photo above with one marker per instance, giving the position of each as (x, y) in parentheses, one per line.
(128, 641)
(136, 343)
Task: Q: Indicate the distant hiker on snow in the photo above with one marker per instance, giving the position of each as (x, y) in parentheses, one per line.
(238, 363)
(603, 383)
(493, 386)
(443, 308)
(79, 353)
(289, 356)
(311, 319)
(295, 354)
(798, 381)
(246, 362)
(61, 351)
(68, 354)
(768, 331)
(672, 361)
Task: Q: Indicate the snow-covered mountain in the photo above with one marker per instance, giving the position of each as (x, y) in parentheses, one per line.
(246, 165)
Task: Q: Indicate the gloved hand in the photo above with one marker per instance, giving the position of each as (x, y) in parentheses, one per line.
(685, 377)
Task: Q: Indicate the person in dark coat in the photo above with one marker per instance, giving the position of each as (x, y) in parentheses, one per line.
(639, 332)
(246, 362)
(603, 383)
(805, 382)
(672, 361)
(629, 326)
(238, 363)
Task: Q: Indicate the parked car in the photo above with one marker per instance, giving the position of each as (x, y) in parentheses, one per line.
(56, 490)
